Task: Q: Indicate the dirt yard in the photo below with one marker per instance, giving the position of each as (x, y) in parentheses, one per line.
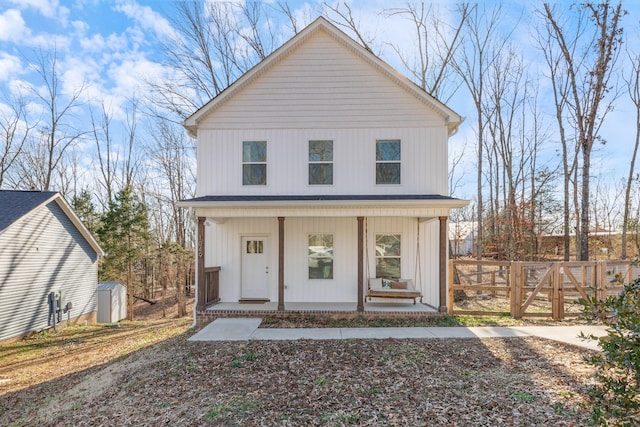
(147, 373)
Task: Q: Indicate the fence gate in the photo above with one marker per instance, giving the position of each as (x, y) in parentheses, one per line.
(535, 289)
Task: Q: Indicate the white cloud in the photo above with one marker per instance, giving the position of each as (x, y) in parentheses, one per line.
(47, 8)
(95, 43)
(12, 26)
(132, 74)
(10, 66)
(147, 18)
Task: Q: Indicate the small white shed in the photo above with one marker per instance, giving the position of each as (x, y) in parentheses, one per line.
(112, 302)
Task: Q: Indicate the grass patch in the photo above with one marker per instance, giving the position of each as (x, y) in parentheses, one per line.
(321, 381)
(297, 320)
(523, 396)
(232, 407)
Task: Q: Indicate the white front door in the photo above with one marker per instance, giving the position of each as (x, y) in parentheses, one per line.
(255, 267)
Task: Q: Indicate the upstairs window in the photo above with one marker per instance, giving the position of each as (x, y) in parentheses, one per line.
(254, 163)
(388, 161)
(388, 256)
(320, 162)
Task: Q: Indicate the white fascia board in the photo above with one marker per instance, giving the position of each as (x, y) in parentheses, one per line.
(384, 208)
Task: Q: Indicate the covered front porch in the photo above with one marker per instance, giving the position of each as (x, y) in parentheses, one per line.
(281, 226)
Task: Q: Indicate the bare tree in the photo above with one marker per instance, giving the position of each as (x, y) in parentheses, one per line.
(559, 79)
(633, 89)
(472, 64)
(588, 84)
(172, 153)
(57, 130)
(101, 129)
(436, 44)
(344, 18)
(216, 42)
(14, 132)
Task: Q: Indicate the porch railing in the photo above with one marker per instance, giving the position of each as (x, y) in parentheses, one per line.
(540, 289)
(209, 292)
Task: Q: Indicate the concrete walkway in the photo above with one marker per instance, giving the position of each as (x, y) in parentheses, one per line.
(244, 329)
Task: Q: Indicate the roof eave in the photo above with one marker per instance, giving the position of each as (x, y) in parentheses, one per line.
(440, 203)
(77, 222)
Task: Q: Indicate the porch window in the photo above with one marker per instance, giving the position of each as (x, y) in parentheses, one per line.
(388, 161)
(388, 256)
(320, 253)
(254, 163)
(320, 162)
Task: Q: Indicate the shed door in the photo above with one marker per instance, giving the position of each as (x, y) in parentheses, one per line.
(255, 267)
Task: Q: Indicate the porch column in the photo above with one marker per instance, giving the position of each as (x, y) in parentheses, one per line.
(201, 291)
(360, 263)
(280, 263)
(443, 264)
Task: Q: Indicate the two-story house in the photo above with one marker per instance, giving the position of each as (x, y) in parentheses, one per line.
(318, 169)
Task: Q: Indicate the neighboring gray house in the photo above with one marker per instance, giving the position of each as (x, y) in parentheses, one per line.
(44, 249)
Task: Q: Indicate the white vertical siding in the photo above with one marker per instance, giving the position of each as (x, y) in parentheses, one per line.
(420, 265)
(39, 254)
(343, 286)
(423, 161)
(223, 249)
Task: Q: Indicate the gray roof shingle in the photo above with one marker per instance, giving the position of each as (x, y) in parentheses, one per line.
(15, 204)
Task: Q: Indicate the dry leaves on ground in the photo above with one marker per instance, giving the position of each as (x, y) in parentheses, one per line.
(461, 382)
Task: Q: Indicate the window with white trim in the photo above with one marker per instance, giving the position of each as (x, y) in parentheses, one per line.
(388, 256)
(320, 162)
(320, 253)
(254, 163)
(388, 161)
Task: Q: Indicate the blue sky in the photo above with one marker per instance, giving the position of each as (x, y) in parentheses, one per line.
(111, 47)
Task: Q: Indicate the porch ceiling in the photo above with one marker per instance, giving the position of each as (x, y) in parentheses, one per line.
(403, 205)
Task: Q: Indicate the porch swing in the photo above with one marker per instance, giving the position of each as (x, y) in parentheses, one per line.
(396, 288)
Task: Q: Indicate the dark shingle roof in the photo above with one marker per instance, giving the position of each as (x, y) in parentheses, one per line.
(16, 204)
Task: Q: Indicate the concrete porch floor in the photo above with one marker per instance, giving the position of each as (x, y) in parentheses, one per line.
(329, 307)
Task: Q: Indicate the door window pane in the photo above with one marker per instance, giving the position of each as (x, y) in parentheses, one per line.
(255, 247)
(320, 254)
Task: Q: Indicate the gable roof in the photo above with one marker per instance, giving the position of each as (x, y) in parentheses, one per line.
(452, 119)
(15, 205)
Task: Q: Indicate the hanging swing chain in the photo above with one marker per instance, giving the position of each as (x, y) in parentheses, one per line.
(366, 247)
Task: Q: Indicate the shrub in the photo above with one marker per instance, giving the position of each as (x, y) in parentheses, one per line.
(616, 394)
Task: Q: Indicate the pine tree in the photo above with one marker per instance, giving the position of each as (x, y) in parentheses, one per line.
(85, 209)
(124, 233)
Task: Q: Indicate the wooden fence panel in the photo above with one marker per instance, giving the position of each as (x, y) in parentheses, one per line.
(532, 288)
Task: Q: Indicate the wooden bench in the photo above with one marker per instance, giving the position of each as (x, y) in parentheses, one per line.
(377, 290)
